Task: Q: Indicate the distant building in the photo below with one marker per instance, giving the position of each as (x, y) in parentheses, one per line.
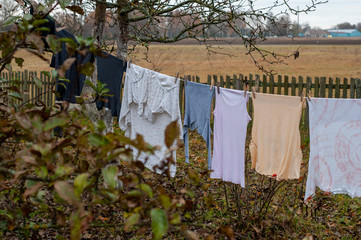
(344, 33)
(315, 33)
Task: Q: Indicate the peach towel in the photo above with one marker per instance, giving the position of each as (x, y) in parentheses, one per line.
(275, 146)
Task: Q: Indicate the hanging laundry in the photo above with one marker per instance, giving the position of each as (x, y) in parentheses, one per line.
(230, 129)
(275, 145)
(150, 103)
(110, 71)
(68, 89)
(198, 103)
(335, 149)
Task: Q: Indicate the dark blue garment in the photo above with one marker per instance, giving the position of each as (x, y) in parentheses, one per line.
(110, 72)
(198, 102)
(68, 90)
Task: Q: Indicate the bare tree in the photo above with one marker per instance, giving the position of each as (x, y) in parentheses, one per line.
(140, 22)
(143, 22)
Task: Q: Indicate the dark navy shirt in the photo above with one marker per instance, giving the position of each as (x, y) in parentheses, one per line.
(110, 72)
(69, 89)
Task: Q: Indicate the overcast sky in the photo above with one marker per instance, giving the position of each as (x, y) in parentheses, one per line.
(326, 15)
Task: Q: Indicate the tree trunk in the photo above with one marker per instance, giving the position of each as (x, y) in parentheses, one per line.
(93, 113)
(123, 34)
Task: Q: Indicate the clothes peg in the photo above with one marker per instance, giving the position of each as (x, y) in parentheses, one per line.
(245, 81)
(254, 92)
(176, 78)
(185, 80)
(302, 95)
(130, 62)
(218, 88)
(245, 90)
(308, 96)
(210, 88)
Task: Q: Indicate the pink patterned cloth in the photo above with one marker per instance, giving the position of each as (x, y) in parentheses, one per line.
(230, 128)
(335, 146)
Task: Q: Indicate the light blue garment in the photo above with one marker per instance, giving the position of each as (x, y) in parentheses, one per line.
(198, 102)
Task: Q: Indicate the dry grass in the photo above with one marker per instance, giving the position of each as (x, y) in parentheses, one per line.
(32, 62)
(315, 60)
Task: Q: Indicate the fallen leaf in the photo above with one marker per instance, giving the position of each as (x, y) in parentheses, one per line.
(308, 236)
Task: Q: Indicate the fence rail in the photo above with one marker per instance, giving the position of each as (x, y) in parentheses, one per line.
(39, 86)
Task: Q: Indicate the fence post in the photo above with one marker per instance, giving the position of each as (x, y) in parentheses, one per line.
(31, 87)
(352, 88)
(198, 80)
(308, 85)
(250, 82)
(46, 88)
(19, 80)
(36, 95)
(317, 86)
(286, 86)
(293, 86)
(271, 84)
(344, 88)
(53, 87)
(257, 83)
(235, 81)
(330, 88)
(26, 86)
(337, 88)
(49, 94)
(22, 85)
(358, 88)
(323, 87)
(264, 84)
(221, 81)
(209, 79)
(241, 87)
(42, 80)
(228, 81)
(300, 85)
(279, 85)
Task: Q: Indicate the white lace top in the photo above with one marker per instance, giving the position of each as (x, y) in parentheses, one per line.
(150, 102)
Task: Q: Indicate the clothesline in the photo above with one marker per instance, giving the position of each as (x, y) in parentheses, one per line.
(249, 93)
(335, 134)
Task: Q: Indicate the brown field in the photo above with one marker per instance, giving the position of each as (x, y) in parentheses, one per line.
(315, 60)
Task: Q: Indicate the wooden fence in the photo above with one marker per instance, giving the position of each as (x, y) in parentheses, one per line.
(33, 86)
(39, 86)
(317, 87)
